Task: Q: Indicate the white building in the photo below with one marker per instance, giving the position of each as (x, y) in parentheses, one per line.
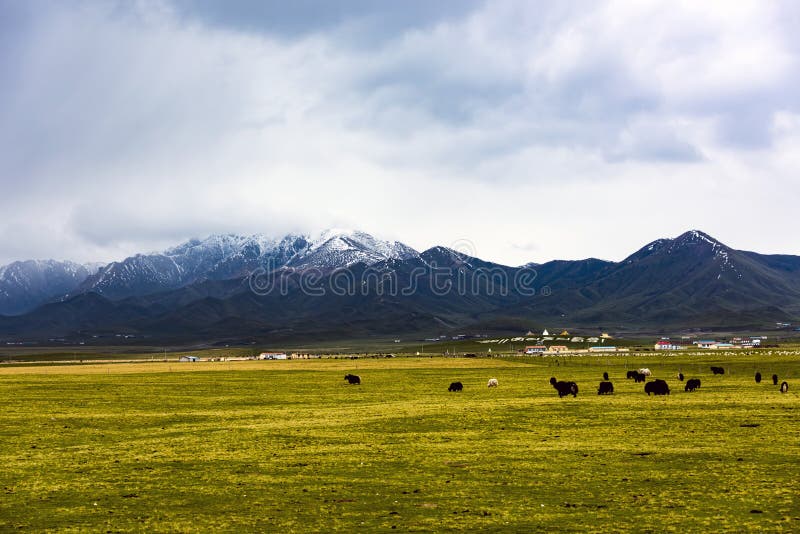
(668, 345)
(535, 349)
(272, 356)
(604, 348)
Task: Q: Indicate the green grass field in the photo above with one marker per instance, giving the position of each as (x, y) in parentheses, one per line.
(290, 447)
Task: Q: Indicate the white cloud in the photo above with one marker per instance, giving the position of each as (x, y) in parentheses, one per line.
(563, 127)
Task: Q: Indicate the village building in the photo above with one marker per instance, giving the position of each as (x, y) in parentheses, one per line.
(535, 349)
(272, 356)
(705, 344)
(668, 345)
(604, 348)
(747, 341)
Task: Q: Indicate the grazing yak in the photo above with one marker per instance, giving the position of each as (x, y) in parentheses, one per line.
(605, 388)
(492, 383)
(680, 377)
(455, 386)
(645, 371)
(564, 388)
(758, 378)
(784, 387)
(692, 384)
(718, 370)
(353, 379)
(774, 380)
(636, 375)
(605, 376)
(656, 387)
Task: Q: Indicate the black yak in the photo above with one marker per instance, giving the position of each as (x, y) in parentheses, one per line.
(656, 387)
(680, 377)
(774, 380)
(353, 379)
(605, 388)
(692, 384)
(639, 377)
(631, 374)
(565, 388)
(758, 378)
(605, 376)
(718, 370)
(784, 387)
(456, 386)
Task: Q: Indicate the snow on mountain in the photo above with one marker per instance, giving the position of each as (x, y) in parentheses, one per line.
(694, 243)
(26, 284)
(721, 253)
(336, 248)
(440, 256)
(224, 257)
(215, 257)
(692, 281)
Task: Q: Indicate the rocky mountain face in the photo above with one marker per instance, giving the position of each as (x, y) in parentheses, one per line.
(223, 257)
(690, 281)
(26, 284)
(363, 287)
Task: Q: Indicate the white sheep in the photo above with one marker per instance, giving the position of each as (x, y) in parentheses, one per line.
(645, 371)
(492, 383)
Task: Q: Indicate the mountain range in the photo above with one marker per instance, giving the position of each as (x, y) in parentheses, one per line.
(347, 284)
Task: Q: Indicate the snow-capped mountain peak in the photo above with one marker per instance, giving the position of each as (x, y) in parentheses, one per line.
(231, 256)
(338, 248)
(695, 244)
(26, 284)
(696, 237)
(721, 253)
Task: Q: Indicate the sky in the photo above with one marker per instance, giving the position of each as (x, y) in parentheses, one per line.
(529, 130)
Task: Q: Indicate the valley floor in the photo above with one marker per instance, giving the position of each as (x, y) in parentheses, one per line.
(289, 446)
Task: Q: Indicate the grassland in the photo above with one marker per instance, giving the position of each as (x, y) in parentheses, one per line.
(288, 446)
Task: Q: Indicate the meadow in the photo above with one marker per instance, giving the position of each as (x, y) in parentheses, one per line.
(288, 446)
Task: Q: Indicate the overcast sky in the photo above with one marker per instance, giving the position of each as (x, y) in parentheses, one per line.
(534, 130)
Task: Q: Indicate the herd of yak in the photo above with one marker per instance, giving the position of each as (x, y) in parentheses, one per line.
(564, 388)
(654, 387)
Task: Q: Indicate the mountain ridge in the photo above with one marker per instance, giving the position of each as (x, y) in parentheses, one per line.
(216, 257)
(692, 280)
